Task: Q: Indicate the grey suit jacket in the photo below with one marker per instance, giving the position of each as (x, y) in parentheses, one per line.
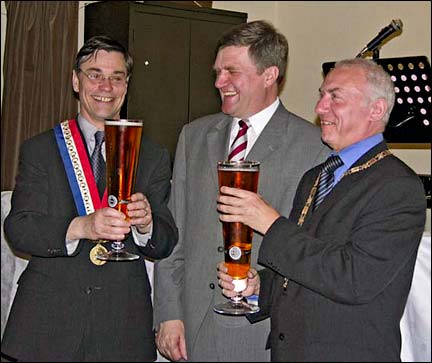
(186, 284)
(350, 266)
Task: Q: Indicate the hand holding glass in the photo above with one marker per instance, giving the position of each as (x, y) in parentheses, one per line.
(238, 236)
(122, 147)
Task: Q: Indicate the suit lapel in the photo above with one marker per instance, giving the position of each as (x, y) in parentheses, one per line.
(271, 137)
(217, 143)
(340, 189)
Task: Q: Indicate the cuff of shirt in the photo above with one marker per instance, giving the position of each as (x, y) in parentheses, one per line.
(71, 246)
(141, 239)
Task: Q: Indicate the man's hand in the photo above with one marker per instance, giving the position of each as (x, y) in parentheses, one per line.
(140, 213)
(105, 223)
(238, 205)
(225, 282)
(170, 340)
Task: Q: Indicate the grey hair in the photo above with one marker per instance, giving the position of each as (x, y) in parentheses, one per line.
(379, 82)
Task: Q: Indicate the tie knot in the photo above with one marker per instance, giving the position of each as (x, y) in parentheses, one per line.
(332, 163)
(99, 138)
(244, 124)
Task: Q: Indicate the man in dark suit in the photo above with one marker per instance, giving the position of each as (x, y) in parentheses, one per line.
(339, 272)
(69, 305)
(250, 65)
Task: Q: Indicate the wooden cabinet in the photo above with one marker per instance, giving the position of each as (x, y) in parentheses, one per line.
(173, 49)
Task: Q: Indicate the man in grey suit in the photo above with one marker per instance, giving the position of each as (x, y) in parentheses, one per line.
(340, 267)
(250, 65)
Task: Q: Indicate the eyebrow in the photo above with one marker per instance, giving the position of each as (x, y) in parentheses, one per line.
(226, 68)
(330, 90)
(95, 69)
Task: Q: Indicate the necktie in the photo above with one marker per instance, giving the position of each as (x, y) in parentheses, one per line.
(98, 162)
(326, 181)
(238, 147)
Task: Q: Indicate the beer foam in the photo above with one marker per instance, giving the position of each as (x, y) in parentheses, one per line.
(123, 122)
(235, 169)
(239, 285)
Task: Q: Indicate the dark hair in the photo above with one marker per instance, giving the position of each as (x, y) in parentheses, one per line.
(267, 47)
(102, 42)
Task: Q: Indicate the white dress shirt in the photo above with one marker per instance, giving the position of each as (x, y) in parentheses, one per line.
(257, 122)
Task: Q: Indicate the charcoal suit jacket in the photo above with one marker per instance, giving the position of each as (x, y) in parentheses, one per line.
(66, 308)
(349, 266)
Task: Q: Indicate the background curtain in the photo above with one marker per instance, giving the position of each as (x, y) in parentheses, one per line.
(40, 49)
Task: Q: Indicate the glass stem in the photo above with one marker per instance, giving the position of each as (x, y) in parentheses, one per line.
(117, 246)
(236, 299)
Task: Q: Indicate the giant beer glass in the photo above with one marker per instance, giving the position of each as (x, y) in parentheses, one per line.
(238, 236)
(122, 146)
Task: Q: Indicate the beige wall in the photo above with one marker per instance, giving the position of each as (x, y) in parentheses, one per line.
(321, 31)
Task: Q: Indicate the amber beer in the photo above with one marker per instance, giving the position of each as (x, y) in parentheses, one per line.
(237, 236)
(122, 147)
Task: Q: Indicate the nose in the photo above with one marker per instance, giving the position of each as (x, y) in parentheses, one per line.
(221, 80)
(105, 83)
(322, 105)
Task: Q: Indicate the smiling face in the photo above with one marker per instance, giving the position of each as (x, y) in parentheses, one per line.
(243, 91)
(346, 111)
(100, 99)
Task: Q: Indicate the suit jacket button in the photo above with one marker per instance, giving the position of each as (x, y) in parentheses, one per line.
(89, 291)
(212, 286)
(220, 249)
(281, 336)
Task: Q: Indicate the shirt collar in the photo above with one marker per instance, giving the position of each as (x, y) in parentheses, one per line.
(88, 130)
(354, 152)
(261, 119)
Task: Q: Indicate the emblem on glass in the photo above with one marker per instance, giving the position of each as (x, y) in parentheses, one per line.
(237, 236)
(122, 147)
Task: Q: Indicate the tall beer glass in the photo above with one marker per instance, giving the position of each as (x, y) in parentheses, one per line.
(238, 236)
(122, 147)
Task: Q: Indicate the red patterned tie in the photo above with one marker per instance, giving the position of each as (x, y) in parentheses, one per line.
(238, 147)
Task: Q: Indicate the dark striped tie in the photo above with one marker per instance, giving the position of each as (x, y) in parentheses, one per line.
(238, 147)
(98, 162)
(326, 179)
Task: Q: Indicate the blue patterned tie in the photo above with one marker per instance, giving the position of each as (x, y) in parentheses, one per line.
(98, 162)
(326, 179)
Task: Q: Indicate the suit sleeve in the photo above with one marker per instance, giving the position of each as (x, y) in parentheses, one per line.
(352, 264)
(38, 220)
(164, 236)
(169, 272)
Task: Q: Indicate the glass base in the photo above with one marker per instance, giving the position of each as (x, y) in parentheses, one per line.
(236, 308)
(117, 256)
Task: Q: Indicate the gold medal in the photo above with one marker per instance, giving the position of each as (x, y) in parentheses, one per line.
(96, 250)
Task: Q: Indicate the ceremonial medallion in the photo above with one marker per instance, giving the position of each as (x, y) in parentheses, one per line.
(96, 250)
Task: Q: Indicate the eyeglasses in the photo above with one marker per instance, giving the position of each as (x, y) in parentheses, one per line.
(96, 77)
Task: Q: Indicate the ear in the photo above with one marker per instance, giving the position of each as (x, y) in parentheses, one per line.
(378, 109)
(75, 81)
(271, 75)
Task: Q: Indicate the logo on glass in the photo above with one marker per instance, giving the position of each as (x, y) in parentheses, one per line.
(112, 201)
(235, 253)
